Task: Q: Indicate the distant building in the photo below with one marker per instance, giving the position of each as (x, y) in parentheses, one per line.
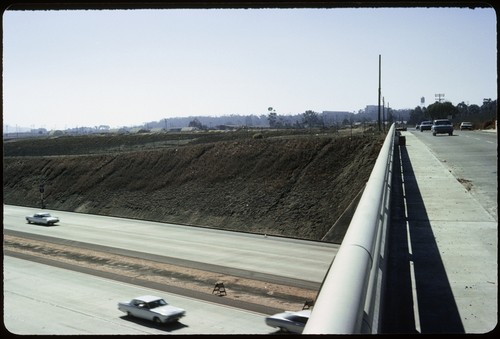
(371, 110)
(335, 118)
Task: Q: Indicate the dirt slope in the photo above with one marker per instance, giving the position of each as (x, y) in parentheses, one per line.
(294, 185)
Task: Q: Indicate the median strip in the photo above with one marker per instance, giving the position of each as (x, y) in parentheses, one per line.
(259, 296)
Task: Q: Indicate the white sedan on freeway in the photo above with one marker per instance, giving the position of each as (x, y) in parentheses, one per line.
(42, 218)
(151, 308)
(288, 321)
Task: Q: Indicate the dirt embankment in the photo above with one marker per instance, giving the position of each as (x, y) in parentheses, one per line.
(289, 185)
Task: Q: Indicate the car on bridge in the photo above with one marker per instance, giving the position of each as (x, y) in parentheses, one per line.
(466, 125)
(425, 126)
(442, 126)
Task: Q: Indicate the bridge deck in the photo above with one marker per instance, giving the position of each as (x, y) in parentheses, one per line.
(442, 262)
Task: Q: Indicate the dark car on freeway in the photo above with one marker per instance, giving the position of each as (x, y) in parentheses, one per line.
(442, 126)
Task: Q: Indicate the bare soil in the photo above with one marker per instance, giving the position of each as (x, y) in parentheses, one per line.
(286, 183)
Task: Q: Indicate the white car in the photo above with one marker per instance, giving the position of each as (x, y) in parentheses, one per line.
(42, 218)
(288, 321)
(466, 125)
(151, 308)
(425, 125)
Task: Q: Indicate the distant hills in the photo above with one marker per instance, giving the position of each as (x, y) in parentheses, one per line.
(326, 118)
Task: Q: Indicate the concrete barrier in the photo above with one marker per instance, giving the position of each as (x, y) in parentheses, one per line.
(349, 299)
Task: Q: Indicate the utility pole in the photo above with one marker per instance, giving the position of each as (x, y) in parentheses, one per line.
(379, 88)
(388, 112)
(383, 112)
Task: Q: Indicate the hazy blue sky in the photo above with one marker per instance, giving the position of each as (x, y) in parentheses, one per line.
(64, 69)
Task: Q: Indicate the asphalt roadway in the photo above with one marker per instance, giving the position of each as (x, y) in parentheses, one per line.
(47, 300)
(442, 260)
(303, 263)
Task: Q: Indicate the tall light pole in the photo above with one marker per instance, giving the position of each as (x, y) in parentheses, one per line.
(379, 88)
(383, 112)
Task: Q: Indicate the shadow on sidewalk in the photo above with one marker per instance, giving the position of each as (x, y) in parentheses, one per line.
(415, 250)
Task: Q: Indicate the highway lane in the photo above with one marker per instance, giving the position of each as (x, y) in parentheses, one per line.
(469, 155)
(291, 258)
(45, 300)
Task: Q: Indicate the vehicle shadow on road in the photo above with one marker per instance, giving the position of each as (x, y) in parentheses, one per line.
(40, 225)
(413, 252)
(162, 327)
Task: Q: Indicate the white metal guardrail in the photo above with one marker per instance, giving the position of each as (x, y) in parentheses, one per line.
(350, 296)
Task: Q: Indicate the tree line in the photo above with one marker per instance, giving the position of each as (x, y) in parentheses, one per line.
(483, 116)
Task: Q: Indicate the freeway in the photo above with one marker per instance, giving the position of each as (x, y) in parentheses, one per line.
(472, 158)
(52, 298)
(293, 259)
(45, 300)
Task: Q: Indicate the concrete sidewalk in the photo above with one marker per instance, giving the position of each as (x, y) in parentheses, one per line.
(442, 262)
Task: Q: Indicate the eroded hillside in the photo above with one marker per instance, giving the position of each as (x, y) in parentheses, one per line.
(290, 185)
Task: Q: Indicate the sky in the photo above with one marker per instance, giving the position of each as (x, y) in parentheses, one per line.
(73, 68)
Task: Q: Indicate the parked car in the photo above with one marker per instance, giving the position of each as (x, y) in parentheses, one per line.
(288, 321)
(425, 125)
(466, 125)
(151, 308)
(442, 126)
(42, 218)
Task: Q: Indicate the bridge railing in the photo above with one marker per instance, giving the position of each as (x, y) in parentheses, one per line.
(350, 296)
